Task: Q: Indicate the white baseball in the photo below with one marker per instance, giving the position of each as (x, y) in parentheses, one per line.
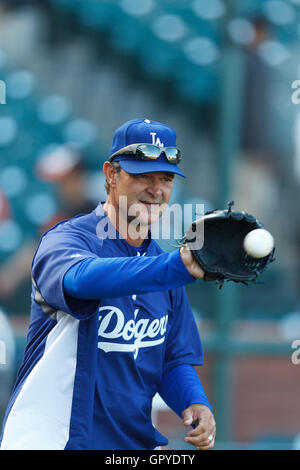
(258, 243)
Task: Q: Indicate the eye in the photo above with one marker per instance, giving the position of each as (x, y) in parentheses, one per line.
(141, 176)
(168, 179)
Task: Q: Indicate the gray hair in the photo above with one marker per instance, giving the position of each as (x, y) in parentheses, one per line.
(116, 166)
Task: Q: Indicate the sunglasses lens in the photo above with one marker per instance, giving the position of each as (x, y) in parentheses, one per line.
(148, 151)
(173, 154)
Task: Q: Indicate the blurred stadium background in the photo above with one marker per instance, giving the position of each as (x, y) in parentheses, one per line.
(220, 72)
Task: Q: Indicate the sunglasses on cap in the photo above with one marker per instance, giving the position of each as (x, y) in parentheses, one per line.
(149, 152)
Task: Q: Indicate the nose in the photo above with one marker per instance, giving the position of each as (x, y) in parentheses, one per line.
(155, 188)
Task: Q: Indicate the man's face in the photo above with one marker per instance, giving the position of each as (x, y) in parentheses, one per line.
(145, 196)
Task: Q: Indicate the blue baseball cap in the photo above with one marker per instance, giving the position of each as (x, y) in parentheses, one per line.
(142, 131)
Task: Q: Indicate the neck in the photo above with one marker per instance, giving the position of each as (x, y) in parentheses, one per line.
(119, 220)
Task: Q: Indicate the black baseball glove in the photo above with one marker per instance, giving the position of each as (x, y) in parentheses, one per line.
(216, 242)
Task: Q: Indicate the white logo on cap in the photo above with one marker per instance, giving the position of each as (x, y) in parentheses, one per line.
(157, 141)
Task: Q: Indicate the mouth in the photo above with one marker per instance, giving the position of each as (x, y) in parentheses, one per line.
(151, 205)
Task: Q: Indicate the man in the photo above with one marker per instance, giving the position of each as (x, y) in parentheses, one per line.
(111, 325)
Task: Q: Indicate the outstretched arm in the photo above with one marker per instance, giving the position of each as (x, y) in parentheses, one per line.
(96, 278)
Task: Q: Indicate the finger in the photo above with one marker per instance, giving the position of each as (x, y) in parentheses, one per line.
(202, 428)
(191, 264)
(187, 418)
(206, 447)
(204, 444)
(187, 421)
(203, 439)
(197, 439)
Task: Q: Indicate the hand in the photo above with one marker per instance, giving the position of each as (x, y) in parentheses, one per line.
(205, 426)
(191, 264)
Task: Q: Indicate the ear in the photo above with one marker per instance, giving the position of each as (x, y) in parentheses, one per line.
(110, 173)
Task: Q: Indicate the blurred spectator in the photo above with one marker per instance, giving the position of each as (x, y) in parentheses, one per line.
(257, 185)
(4, 207)
(65, 169)
(257, 119)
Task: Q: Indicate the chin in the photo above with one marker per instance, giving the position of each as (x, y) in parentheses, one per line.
(153, 216)
(146, 221)
(144, 215)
